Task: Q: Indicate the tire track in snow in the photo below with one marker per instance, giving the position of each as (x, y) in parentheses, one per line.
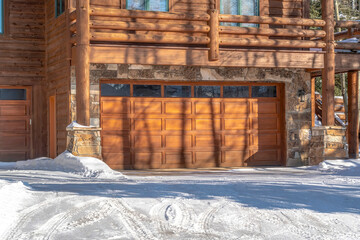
(15, 231)
(55, 222)
(173, 216)
(132, 220)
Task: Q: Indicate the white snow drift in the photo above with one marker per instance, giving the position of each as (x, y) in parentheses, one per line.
(66, 162)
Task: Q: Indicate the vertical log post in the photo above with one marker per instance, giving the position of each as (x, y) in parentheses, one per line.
(328, 73)
(353, 125)
(82, 62)
(214, 50)
(313, 101)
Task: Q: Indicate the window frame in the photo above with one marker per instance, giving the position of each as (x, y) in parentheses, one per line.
(61, 10)
(147, 5)
(258, 9)
(5, 18)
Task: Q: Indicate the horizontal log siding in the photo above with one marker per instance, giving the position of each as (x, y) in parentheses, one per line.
(58, 70)
(22, 60)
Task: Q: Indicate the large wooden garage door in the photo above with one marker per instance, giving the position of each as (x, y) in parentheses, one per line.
(156, 125)
(15, 118)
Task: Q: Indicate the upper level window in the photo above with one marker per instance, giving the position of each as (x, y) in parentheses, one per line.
(2, 20)
(240, 7)
(59, 7)
(148, 5)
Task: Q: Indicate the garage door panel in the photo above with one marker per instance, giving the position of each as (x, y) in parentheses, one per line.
(269, 123)
(13, 142)
(148, 107)
(236, 124)
(116, 141)
(147, 124)
(14, 125)
(207, 159)
(178, 141)
(8, 156)
(235, 158)
(13, 110)
(207, 124)
(147, 160)
(178, 124)
(266, 139)
(236, 108)
(178, 107)
(175, 130)
(118, 160)
(265, 107)
(207, 107)
(177, 160)
(115, 124)
(115, 107)
(147, 141)
(264, 155)
(237, 140)
(207, 140)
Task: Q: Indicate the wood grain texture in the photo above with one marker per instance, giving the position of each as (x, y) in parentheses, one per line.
(353, 124)
(139, 133)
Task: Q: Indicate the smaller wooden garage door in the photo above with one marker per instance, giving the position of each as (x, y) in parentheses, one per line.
(157, 125)
(15, 118)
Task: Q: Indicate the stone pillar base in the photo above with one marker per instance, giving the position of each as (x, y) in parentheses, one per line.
(84, 141)
(328, 143)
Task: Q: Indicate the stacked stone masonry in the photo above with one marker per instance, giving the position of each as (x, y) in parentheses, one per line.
(297, 113)
(84, 142)
(327, 143)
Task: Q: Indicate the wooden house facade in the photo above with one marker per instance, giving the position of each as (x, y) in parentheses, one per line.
(173, 83)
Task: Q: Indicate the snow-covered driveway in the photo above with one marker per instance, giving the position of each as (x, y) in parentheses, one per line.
(275, 203)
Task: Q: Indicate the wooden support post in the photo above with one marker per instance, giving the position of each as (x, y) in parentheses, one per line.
(353, 125)
(82, 62)
(328, 73)
(313, 101)
(214, 50)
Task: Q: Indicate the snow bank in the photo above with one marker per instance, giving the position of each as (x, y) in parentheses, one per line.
(13, 196)
(66, 162)
(343, 167)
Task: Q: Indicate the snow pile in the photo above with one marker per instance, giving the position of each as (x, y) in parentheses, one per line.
(66, 162)
(343, 167)
(74, 124)
(13, 196)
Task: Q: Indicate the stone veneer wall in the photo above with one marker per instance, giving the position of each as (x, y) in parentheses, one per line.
(298, 114)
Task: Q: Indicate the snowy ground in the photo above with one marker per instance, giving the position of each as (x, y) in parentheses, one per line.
(258, 203)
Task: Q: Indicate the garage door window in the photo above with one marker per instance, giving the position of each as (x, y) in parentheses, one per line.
(236, 91)
(147, 90)
(12, 94)
(263, 91)
(207, 91)
(115, 90)
(177, 91)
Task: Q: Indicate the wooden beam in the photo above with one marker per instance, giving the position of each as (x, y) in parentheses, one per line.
(313, 101)
(139, 26)
(111, 12)
(272, 20)
(347, 24)
(82, 62)
(276, 43)
(148, 38)
(328, 73)
(214, 45)
(353, 124)
(199, 57)
(276, 32)
(349, 46)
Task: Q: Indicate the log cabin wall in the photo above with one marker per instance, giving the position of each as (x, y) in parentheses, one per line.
(22, 60)
(58, 70)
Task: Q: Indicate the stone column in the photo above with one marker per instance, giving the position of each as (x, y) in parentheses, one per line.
(84, 141)
(328, 143)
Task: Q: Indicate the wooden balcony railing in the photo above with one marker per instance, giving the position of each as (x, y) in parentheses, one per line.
(108, 25)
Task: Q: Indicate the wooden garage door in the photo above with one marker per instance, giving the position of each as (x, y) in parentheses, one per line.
(156, 125)
(15, 118)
